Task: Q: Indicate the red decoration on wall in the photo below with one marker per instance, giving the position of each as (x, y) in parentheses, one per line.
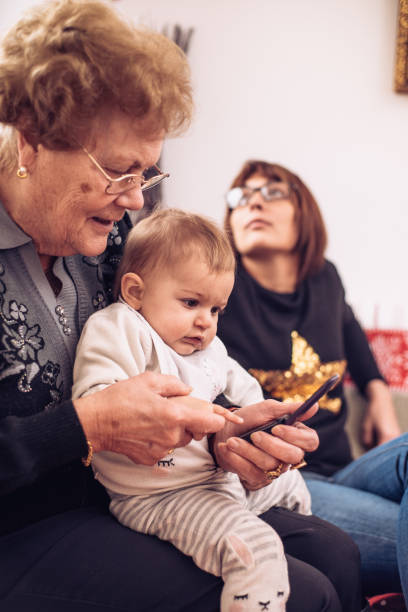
(390, 348)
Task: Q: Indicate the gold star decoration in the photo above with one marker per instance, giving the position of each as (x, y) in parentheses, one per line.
(305, 375)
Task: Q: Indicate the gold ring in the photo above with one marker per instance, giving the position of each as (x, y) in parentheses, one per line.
(299, 465)
(170, 451)
(273, 474)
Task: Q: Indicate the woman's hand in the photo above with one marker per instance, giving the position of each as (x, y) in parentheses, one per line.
(380, 423)
(287, 445)
(143, 417)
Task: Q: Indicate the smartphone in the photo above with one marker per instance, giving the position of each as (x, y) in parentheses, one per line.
(289, 419)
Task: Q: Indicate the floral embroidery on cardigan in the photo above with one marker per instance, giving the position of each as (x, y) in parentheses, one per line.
(21, 345)
(106, 265)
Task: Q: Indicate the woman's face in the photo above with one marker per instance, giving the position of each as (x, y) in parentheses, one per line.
(262, 226)
(64, 207)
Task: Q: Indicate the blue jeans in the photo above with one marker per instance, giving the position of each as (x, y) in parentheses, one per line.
(369, 500)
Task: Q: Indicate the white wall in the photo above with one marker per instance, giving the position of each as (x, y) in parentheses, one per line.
(308, 84)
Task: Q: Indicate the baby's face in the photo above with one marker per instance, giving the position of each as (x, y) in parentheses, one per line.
(182, 305)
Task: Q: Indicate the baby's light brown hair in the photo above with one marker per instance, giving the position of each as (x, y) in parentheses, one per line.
(171, 236)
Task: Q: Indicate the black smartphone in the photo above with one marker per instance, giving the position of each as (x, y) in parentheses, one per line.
(289, 419)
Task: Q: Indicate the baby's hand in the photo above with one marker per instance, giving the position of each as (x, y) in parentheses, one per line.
(199, 404)
(228, 414)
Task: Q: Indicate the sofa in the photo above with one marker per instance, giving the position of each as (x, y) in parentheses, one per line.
(356, 404)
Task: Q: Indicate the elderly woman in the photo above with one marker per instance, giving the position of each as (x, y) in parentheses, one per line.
(85, 102)
(301, 332)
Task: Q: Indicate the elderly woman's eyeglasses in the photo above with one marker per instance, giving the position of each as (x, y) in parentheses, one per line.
(272, 191)
(126, 182)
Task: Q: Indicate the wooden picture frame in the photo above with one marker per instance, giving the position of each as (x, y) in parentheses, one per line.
(401, 60)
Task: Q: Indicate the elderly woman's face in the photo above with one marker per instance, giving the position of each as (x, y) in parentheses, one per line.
(65, 209)
(262, 224)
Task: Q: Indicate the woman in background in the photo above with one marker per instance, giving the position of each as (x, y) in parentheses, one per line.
(287, 322)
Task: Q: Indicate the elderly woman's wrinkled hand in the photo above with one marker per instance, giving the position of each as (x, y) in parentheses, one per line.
(252, 462)
(142, 419)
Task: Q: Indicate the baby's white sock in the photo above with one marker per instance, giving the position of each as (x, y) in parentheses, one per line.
(262, 587)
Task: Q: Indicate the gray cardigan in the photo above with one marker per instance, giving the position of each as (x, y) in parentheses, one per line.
(41, 439)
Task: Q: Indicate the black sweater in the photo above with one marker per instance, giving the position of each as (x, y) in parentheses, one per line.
(293, 342)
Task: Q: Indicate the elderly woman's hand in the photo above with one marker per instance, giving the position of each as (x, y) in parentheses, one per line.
(251, 462)
(135, 418)
(380, 422)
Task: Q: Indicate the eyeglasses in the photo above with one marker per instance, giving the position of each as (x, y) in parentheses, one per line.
(126, 182)
(273, 191)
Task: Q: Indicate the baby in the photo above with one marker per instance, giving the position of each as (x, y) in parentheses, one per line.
(174, 281)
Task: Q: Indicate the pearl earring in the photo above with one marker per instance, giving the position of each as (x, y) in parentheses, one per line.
(22, 172)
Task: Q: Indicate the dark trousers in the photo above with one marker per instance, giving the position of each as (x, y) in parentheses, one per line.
(85, 561)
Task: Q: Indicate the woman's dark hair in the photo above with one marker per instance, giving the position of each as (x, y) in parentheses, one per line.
(312, 236)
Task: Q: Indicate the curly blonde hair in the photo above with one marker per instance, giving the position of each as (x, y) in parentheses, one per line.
(64, 61)
(170, 236)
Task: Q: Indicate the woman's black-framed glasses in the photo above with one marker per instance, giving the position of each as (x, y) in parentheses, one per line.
(126, 182)
(272, 191)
